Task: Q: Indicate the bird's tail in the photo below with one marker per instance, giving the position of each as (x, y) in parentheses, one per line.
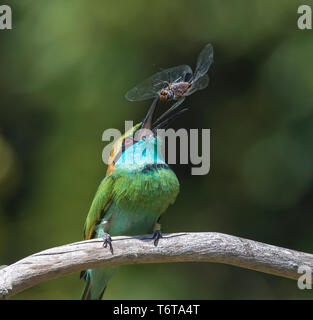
(96, 282)
(87, 293)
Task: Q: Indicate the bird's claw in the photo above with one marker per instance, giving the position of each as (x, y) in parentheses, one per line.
(107, 241)
(156, 237)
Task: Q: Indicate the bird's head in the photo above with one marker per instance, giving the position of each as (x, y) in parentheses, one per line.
(140, 146)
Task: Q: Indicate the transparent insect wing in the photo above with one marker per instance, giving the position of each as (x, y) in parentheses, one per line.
(199, 84)
(143, 91)
(204, 61)
(150, 87)
(178, 74)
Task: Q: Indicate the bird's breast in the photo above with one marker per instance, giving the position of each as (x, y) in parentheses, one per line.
(140, 197)
(150, 189)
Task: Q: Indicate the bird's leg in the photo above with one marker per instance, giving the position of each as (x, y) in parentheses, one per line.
(157, 232)
(107, 240)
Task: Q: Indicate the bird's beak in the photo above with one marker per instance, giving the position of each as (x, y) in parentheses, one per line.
(145, 128)
(147, 122)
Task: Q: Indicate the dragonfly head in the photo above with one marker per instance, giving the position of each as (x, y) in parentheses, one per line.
(166, 94)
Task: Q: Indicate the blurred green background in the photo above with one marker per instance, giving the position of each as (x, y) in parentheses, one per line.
(65, 68)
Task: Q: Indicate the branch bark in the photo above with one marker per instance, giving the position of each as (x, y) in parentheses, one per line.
(178, 247)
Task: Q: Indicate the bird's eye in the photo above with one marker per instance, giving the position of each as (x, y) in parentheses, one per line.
(128, 141)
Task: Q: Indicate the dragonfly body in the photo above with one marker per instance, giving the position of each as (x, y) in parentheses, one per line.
(174, 91)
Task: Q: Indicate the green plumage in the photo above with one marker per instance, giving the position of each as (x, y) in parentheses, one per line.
(129, 201)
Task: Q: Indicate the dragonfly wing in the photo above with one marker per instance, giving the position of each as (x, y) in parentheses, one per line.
(199, 84)
(179, 73)
(150, 87)
(143, 91)
(204, 61)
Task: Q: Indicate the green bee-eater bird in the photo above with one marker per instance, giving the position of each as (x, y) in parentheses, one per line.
(137, 189)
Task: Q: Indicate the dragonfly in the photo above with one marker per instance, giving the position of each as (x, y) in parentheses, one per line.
(175, 83)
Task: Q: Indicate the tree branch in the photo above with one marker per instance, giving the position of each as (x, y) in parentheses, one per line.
(183, 247)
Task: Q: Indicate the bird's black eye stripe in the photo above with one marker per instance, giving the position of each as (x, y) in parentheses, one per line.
(125, 146)
(127, 142)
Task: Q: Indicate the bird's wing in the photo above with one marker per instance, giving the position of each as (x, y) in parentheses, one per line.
(99, 206)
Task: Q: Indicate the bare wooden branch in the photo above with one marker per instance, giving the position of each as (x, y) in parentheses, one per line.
(183, 247)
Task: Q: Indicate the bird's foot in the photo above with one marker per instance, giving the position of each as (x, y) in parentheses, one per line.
(156, 236)
(107, 241)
